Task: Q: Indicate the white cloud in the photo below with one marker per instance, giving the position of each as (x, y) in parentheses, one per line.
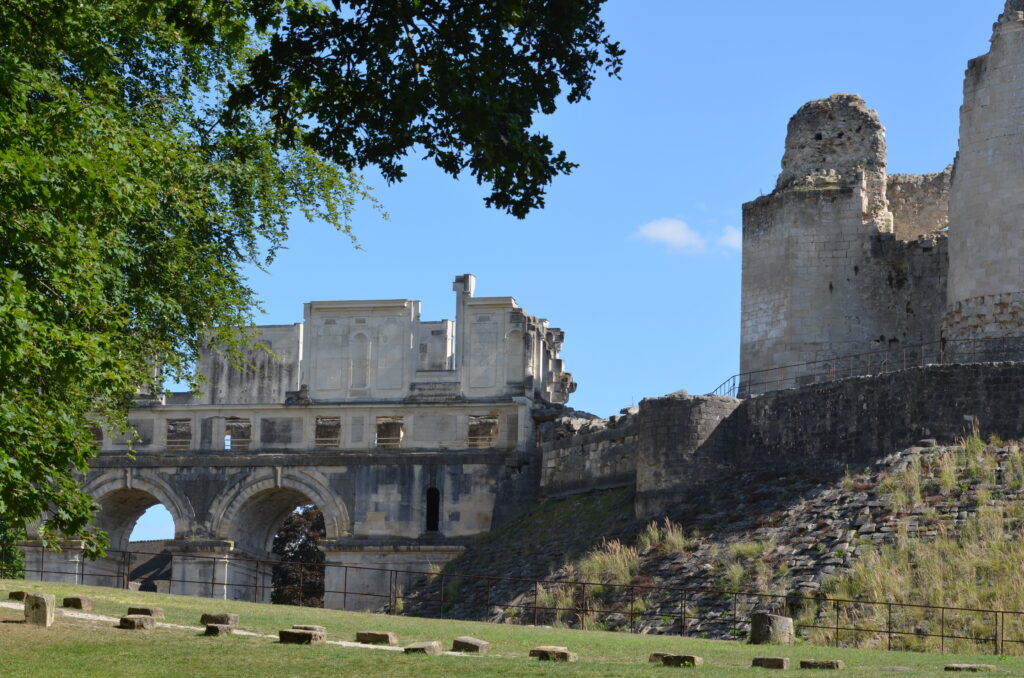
(674, 233)
(731, 238)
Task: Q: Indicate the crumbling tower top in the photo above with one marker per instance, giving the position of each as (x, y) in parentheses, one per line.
(832, 141)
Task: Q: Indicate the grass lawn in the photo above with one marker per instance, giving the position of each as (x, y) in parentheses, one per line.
(75, 647)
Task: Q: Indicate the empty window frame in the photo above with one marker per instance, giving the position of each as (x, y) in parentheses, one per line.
(390, 431)
(327, 435)
(483, 430)
(179, 434)
(433, 509)
(97, 435)
(237, 433)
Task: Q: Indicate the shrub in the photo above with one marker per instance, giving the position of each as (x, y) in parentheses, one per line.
(674, 540)
(610, 563)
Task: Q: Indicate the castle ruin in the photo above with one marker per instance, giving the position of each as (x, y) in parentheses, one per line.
(411, 435)
(843, 259)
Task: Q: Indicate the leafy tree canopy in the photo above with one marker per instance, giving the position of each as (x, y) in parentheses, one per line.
(151, 149)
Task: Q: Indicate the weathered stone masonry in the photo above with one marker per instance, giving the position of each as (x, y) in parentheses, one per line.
(408, 435)
(842, 259)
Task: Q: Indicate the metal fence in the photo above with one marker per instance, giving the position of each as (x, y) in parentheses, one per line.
(686, 611)
(893, 359)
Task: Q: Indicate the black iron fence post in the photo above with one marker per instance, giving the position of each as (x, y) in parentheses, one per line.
(837, 623)
(682, 614)
(888, 626)
(632, 609)
(942, 631)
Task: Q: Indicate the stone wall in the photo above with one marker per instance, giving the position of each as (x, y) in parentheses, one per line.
(683, 441)
(986, 282)
(840, 259)
(818, 430)
(919, 203)
(590, 461)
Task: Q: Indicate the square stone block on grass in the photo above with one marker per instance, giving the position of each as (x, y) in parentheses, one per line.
(553, 653)
(376, 637)
(17, 595)
(770, 662)
(683, 660)
(219, 618)
(137, 622)
(825, 664)
(219, 629)
(78, 603)
(656, 657)
(154, 612)
(429, 647)
(470, 644)
(39, 609)
(301, 636)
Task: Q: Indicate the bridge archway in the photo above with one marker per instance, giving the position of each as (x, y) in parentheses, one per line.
(123, 499)
(253, 514)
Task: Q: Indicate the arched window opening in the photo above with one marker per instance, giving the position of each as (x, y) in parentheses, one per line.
(433, 509)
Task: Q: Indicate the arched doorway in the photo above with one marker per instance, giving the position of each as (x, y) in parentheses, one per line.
(142, 564)
(283, 525)
(150, 561)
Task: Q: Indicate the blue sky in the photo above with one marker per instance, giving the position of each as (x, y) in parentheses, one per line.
(635, 255)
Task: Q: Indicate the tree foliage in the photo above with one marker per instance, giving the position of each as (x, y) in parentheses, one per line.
(300, 580)
(151, 149)
(460, 80)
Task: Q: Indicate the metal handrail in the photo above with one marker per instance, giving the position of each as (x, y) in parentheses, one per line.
(883, 361)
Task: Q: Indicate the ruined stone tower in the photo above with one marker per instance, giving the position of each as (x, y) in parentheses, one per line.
(840, 258)
(986, 270)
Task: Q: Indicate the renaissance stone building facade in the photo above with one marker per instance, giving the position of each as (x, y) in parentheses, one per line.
(407, 434)
(843, 258)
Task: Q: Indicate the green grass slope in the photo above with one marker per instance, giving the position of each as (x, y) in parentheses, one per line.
(74, 647)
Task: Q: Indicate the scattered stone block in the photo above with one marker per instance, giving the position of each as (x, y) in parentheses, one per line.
(78, 603)
(770, 629)
(553, 653)
(376, 637)
(973, 668)
(770, 663)
(470, 644)
(219, 629)
(656, 657)
(137, 622)
(301, 636)
(39, 609)
(220, 619)
(309, 627)
(17, 595)
(430, 647)
(154, 612)
(685, 660)
(825, 664)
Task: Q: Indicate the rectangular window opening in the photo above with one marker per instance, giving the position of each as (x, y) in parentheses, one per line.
(328, 433)
(483, 430)
(179, 434)
(390, 431)
(237, 433)
(97, 435)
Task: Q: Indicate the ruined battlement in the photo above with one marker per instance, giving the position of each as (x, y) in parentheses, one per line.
(844, 259)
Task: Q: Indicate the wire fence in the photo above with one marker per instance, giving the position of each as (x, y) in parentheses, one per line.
(635, 607)
(884, 361)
